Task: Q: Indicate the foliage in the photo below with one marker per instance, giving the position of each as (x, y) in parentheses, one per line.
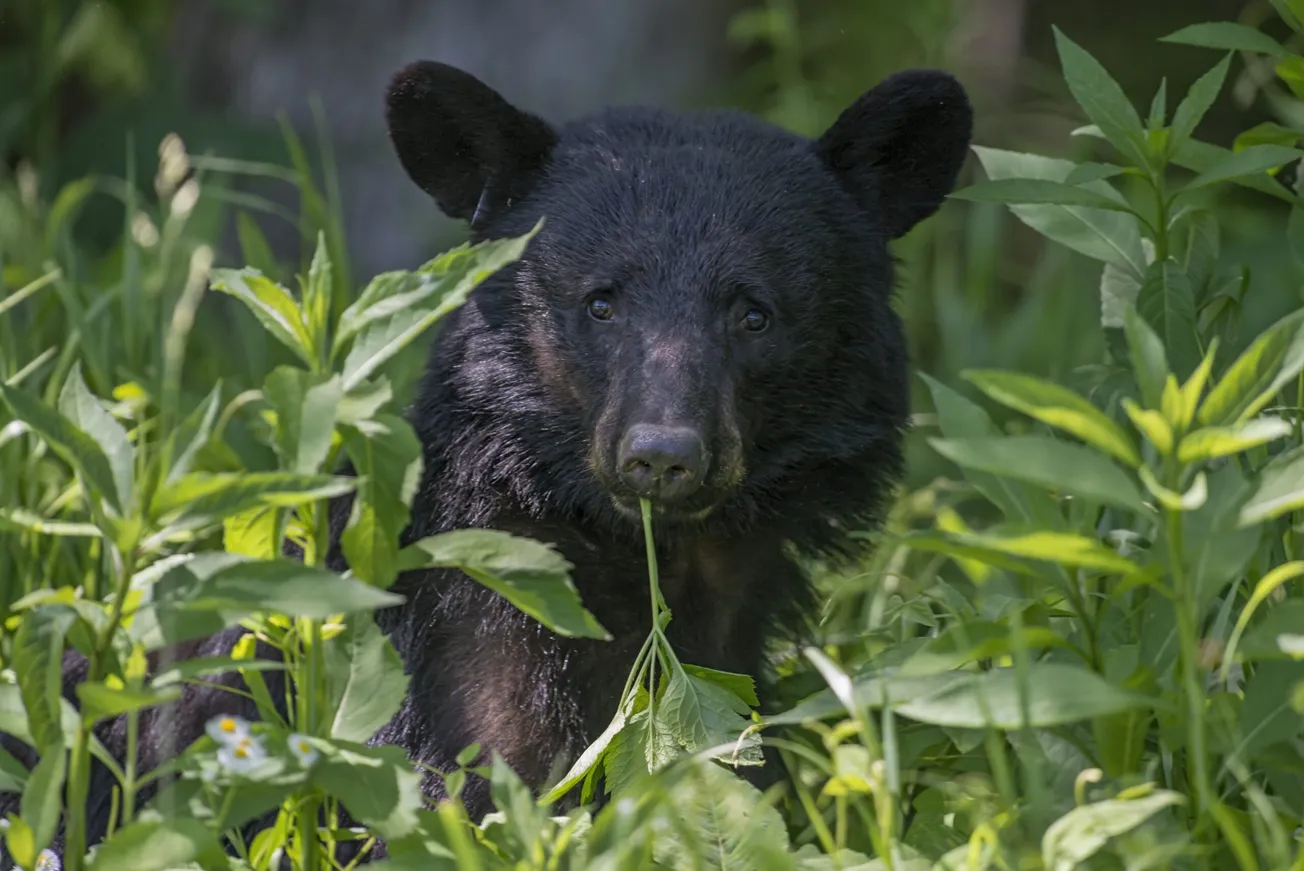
(1082, 649)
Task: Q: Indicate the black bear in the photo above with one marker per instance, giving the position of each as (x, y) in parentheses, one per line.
(706, 321)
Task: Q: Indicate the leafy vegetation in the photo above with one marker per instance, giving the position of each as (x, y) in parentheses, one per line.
(1082, 646)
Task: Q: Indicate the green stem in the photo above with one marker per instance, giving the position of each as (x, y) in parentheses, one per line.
(1189, 653)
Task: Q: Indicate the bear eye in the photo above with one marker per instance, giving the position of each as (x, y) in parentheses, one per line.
(755, 321)
(601, 309)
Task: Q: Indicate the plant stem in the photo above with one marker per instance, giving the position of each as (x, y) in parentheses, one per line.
(1189, 654)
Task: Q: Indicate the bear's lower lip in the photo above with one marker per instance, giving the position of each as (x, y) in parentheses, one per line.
(687, 512)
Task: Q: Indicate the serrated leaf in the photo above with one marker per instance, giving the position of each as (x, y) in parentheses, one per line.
(1255, 160)
(1111, 237)
(741, 685)
(1056, 406)
(530, 574)
(591, 756)
(271, 304)
(1045, 462)
(702, 714)
(1228, 36)
(375, 685)
(728, 825)
(1273, 359)
(1102, 99)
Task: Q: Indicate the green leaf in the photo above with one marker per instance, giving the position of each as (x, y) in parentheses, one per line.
(382, 338)
(200, 498)
(1291, 71)
(1203, 156)
(1056, 406)
(186, 441)
(22, 519)
(1197, 102)
(212, 590)
(254, 249)
(100, 701)
(85, 411)
(1277, 636)
(392, 292)
(41, 804)
(317, 292)
(38, 666)
(388, 461)
(1193, 498)
(251, 532)
(375, 685)
(1085, 172)
(1111, 237)
(159, 845)
(1213, 442)
(1057, 695)
(1054, 547)
(1227, 36)
(728, 825)
(1102, 99)
(703, 714)
(1046, 462)
(1280, 489)
(75, 446)
(1252, 161)
(1149, 360)
(741, 685)
(1078, 835)
(587, 760)
(1272, 360)
(1167, 303)
(530, 574)
(1267, 585)
(1017, 191)
(377, 785)
(271, 304)
(305, 407)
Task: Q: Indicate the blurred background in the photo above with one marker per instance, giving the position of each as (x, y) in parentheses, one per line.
(89, 89)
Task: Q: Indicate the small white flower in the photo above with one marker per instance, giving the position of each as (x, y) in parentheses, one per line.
(227, 729)
(303, 750)
(48, 861)
(241, 756)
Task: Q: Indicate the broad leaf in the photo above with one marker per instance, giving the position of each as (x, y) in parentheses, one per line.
(1279, 635)
(305, 407)
(730, 825)
(1148, 357)
(1018, 191)
(704, 714)
(1057, 695)
(272, 304)
(375, 685)
(1102, 99)
(1111, 237)
(1045, 462)
(1057, 406)
(1228, 36)
(1252, 161)
(388, 462)
(531, 575)
(38, 667)
(159, 845)
(1078, 835)
(1167, 303)
(71, 443)
(1280, 489)
(85, 411)
(200, 498)
(377, 785)
(41, 805)
(1213, 442)
(100, 701)
(1274, 358)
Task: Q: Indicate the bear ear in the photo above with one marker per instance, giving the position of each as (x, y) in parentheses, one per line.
(899, 148)
(461, 142)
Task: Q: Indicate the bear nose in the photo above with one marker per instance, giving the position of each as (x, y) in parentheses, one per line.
(661, 462)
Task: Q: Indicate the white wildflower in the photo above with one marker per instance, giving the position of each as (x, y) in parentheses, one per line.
(303, 750)
(241, 756)
(48, 861)
(227, 729)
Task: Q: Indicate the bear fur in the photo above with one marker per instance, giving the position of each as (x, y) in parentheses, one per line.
(707, 275)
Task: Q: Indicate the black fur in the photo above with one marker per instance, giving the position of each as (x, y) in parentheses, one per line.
(683, 223)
